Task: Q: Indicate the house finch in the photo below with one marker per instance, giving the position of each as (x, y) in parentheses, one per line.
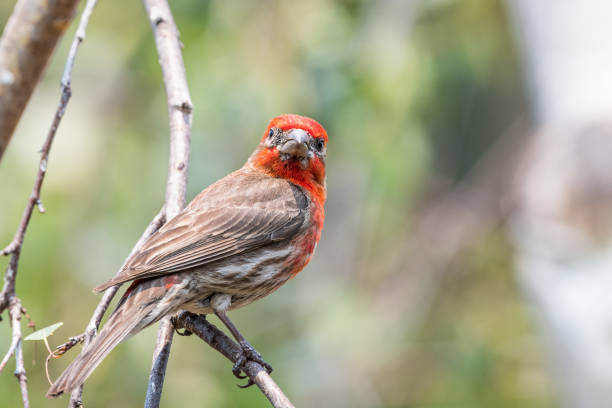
(239, 240)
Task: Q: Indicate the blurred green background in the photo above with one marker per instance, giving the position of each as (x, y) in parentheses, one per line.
(413, 94)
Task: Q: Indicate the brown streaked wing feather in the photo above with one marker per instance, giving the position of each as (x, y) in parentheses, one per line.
(237, 214)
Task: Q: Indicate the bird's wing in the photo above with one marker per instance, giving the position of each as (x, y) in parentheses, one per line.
(224, 220)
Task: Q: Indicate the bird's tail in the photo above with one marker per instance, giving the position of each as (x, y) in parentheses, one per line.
(140, 306)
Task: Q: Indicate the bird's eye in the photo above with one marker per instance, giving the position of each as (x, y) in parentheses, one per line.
(319, 144)
(271, 133)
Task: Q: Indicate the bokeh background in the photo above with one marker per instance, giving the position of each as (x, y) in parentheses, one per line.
(412, 299)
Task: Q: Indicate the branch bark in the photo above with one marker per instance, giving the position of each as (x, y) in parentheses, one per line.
(28, 40)
(16, 312)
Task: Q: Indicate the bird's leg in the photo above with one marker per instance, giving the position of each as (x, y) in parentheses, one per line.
(248, 352)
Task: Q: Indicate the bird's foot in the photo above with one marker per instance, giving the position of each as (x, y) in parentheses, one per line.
(185, 332)
(248, 353)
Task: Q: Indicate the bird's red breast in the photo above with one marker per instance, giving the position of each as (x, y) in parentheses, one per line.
(311, 178)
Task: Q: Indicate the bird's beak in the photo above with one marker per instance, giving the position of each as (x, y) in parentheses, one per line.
(297, 144)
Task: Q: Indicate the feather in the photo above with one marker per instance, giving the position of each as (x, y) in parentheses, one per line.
(244, 211)
(135, 312)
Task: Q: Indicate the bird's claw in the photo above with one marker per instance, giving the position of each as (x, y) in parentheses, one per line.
(185, 332)
(248, 353)
(251, 354)
(237, 368)
(247, 385)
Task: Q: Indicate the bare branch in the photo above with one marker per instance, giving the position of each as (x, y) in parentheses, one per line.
(64, 348)
(226, 346)
(16, 337)
(179, 102)
(161, 354)
(28, 40)
(16, 311)
(21, 375)
(180, 114)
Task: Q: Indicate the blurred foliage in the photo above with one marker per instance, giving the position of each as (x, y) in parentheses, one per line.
(412, 95)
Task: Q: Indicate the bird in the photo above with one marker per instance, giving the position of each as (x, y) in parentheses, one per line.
(237, 241)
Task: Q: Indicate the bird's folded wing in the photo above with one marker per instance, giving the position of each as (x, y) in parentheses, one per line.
(197, 237)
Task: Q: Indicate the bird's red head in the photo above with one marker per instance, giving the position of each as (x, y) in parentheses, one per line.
(291, 121)
(294, 147)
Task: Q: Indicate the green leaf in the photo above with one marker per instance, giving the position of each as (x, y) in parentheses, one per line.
(44, 333)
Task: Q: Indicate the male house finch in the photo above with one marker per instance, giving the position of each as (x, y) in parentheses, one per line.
(237, 241)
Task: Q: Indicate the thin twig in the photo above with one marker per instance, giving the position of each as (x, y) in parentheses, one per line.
(180, 113)
(16, 311)
(16, 337)
(198, 325)
(64, 348)
(20, 373)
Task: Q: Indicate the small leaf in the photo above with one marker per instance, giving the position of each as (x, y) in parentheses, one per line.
(44, 333)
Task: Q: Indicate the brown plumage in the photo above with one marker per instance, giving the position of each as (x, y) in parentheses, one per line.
(237, 241)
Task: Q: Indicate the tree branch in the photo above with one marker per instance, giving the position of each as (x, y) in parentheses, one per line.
(161, 355)
(27, 42)
(180, 113)
(15, 315)
(198, 325)
(16, 312)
